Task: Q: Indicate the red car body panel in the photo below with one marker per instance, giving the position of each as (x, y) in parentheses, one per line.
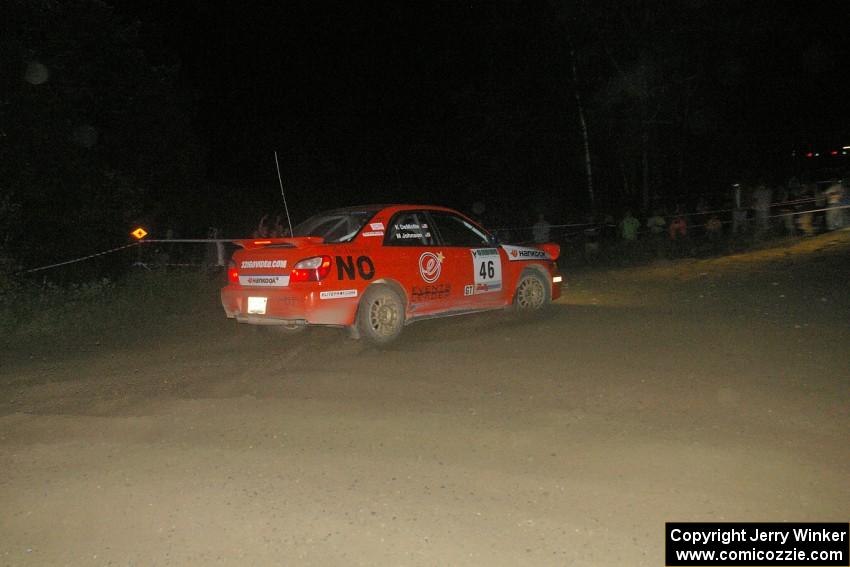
(434, 279)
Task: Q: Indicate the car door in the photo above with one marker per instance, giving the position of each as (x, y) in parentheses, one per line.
(418, 263)
(477, 264)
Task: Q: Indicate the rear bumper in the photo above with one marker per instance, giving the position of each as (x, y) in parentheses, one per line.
(265, 320)
(288, 307)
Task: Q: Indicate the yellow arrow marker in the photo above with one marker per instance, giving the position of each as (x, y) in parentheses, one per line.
(139, 233)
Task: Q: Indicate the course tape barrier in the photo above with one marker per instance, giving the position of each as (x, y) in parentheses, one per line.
(81, 259)
(217, 240)
(124, 247)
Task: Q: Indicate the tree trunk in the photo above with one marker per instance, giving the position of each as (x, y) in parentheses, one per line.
(585, 138)
(645, 168)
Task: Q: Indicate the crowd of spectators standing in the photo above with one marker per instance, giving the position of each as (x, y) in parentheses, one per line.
(710, 224)
(752, 213)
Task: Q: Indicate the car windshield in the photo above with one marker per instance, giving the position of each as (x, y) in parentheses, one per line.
(334, 226)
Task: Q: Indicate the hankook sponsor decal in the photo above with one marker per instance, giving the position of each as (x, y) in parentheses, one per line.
(338, 294)
(373, 233)
(430, 266)
(264, 281)
(516, 253)
(376, 226)
(246, 264)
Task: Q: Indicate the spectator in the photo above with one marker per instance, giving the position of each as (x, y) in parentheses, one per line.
(739, 221)
(834, 213)
(657, 226)
(805, 216)
(739, 213)
(278, 230)
(262, 230)
(656, 223)
(629, 227)
(713, 228)
(215, 255)
(608, 229)
(820, 205)
(678, 232)
(786, 210)
(761, 204)
(702, 208)
(591, 239)
(678, 226)
(541, 229)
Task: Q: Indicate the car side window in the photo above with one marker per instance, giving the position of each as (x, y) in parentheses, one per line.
(409, 228)
(455, 231)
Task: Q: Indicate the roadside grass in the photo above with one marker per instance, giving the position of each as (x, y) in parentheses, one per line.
(141, 303)
(143, 306)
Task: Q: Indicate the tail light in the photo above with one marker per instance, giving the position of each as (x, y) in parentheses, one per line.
(232, 273)
(311, 270)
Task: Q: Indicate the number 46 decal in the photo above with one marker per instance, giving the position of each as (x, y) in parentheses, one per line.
(487, 271)
(487, 267)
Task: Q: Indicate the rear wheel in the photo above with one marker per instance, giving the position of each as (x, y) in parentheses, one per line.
(380, 318)
(532, 292)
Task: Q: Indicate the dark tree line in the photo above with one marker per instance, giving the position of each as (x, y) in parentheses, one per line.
(111, 115)
(94, 137)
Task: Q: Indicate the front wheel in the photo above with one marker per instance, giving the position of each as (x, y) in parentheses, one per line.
(381, 315)
(532, 292)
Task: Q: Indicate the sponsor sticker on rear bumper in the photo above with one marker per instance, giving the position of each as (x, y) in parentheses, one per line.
(264, 281)
(338, 294)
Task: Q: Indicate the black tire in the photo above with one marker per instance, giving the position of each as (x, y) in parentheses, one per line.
(532, 292)
(380, 317)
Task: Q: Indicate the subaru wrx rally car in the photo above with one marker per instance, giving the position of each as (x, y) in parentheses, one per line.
(374, 269)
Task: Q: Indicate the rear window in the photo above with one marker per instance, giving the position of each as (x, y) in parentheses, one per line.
(334, 226)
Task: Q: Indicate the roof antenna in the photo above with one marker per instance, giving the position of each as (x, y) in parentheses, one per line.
(280, 180)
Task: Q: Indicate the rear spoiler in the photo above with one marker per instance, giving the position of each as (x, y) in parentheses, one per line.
(298, 242)
(551, 248)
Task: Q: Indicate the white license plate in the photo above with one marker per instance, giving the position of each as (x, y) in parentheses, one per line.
(257, 305)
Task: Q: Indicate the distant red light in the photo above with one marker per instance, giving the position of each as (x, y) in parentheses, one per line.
(834, 152)
(810, 154)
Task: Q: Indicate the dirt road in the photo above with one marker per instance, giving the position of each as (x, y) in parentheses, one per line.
(693, 391)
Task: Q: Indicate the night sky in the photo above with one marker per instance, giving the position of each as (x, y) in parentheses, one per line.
(458, 102)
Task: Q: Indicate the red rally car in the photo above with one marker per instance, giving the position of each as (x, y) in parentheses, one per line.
(374, 269)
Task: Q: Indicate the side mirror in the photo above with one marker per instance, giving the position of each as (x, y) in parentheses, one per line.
(492, 240)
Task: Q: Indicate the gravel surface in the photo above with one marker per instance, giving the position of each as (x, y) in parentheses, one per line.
(713, 390)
